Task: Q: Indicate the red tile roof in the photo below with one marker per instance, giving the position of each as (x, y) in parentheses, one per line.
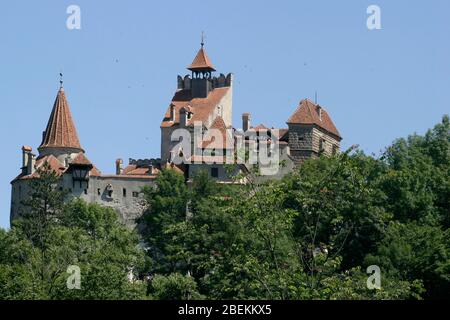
(134, 170)
(173, 166)
(210, 141)
(95, 172)
(81, 159)
(201, 62)
(59, 168)
(60, 131)
(124, 176)
(53, 163)
(201, 108)
(259, 127)
(308, 113)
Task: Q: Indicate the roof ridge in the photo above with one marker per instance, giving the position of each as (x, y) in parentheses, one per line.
(309, 109)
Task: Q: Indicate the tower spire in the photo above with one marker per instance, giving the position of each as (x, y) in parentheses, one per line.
(201, 63)
(60, 133)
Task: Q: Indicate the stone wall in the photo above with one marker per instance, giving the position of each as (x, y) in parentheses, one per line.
(126, 197)
(122, 193)
(19, 192)
(309, 141)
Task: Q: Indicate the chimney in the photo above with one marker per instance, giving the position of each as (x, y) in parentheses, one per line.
(31, 163)
(26, 151)
(183, 117)
(119, 169)
(245, 121)
(319, 112)
(172, 112)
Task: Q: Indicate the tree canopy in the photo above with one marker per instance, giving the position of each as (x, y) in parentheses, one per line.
(311, 235)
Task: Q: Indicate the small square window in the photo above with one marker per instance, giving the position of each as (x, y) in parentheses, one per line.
(135, 194)
(322, 145)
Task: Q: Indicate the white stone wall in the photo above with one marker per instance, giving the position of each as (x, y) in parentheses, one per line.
(226, 107)
(19, 192)
(127, 206)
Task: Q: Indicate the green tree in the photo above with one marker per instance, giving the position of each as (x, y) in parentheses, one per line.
(167, 205)
(417, 184)
(174, 287)
(51, 236)
(413, 252)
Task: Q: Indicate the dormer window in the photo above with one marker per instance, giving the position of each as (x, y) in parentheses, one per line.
(80, 173)
(319, 112)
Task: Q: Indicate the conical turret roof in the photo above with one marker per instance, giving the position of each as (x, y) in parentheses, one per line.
(201, 62)
(60, 131)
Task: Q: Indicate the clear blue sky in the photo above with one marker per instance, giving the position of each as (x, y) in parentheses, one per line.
(120, 69)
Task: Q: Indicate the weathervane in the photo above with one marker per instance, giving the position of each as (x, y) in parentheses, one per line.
(61, 80)
(203, 39)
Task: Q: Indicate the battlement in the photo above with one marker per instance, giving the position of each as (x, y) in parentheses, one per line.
(140, 163)
(186, 82)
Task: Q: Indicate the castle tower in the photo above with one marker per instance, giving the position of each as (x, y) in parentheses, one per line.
(201, 69)
(199, 98)
(60, 137)
(312, 132)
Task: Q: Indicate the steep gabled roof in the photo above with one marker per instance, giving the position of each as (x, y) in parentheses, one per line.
(201, 108)
(201, 62)
(210, 140)
(60, 131)
(310, 113)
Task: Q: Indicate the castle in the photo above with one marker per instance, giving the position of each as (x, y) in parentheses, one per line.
(196, 134)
